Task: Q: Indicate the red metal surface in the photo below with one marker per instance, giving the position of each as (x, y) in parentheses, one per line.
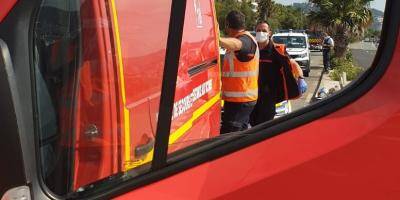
(143, 46)
(350, 154)
(5, 8)
(198, 45)
(97, 100)
(143, 31)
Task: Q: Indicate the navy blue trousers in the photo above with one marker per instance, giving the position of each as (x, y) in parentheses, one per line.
(236, 116)
(327, 58)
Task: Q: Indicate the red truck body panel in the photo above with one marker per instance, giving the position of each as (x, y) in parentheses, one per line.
(6, 7)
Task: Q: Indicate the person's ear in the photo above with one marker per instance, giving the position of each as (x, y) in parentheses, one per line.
(227, 31)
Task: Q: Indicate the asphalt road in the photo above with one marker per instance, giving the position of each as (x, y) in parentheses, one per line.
(312, 81)
(363, 53)
(363, 58)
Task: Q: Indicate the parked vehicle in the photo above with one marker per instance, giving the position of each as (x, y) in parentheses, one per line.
(315, 40)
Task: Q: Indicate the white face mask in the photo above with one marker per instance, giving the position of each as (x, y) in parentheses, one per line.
(262, 37)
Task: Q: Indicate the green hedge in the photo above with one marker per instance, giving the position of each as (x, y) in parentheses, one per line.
(345, 64)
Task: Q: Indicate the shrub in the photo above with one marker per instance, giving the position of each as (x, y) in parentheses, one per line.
(345, 65)
(349, 56)
(336, 61)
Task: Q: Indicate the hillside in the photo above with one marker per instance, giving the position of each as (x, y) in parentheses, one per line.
(376, 14)
(378, 19)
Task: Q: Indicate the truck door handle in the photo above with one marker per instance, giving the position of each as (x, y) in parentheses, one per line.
(193, 70)
(142, 150)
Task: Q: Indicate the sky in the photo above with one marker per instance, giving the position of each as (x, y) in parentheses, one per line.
(377, 4)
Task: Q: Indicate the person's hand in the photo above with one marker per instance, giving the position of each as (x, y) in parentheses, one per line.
(302, 85)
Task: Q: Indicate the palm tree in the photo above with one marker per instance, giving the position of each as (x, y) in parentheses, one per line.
(344, 19)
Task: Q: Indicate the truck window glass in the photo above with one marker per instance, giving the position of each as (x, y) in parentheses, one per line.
(98, 68)
(197, 106)
(299, 27)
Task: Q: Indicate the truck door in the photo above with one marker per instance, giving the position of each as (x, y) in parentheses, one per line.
(196, 112)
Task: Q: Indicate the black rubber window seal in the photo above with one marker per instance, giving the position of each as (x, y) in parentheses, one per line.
(171, 66)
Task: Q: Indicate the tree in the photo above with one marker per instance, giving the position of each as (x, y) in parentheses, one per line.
(251, 16)
(344, 19)
(278, 16)
(223, 7)
(372, 33)
(287, 17)
(265, 9)
(293, 18)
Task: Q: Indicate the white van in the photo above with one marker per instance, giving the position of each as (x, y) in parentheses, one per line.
(297, 46)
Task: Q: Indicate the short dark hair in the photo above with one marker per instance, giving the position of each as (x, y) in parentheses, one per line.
(263, 22)
(235, 20)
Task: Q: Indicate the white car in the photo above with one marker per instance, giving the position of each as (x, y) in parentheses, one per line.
(297, 47)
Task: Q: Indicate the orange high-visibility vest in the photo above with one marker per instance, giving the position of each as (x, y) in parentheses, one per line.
(240, 79)
(281, 48)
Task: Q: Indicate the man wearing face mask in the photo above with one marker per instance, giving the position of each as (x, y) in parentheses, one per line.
(273, 87)
(239, 74)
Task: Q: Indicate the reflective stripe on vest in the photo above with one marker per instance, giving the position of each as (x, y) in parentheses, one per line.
(240, 79)
(239, 74)
(248, 93)
(232, 73)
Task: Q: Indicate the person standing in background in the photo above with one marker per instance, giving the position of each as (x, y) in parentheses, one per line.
(273, 59)
(327, 45)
